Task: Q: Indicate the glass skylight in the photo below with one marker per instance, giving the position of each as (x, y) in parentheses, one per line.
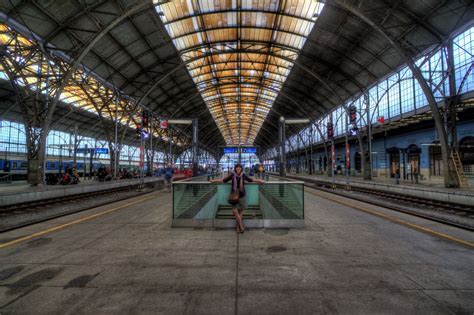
(239, 53)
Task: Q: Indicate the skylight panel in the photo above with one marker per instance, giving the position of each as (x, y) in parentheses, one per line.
(239, 54)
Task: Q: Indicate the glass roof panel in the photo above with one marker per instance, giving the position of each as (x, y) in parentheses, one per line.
(239, 53)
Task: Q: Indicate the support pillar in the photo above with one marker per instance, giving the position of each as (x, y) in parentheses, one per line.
(195, 147)
(282, 138)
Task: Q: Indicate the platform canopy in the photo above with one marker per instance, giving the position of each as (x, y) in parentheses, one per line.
(236, 65)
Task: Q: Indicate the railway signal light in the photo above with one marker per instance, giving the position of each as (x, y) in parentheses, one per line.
(145, 118)
(164, 124)
(330, 130)
(353, 114)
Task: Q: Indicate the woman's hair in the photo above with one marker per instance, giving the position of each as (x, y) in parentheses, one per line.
(238, 165)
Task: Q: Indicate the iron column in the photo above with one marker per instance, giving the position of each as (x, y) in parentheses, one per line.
(281, 126)
(195, 147)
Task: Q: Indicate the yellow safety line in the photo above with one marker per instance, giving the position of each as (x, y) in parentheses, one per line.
(399, 221)
(62, 226)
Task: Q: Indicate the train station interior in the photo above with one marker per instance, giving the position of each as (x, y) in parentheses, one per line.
(236, 156)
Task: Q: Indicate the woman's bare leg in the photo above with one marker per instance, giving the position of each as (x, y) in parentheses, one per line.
(238, 219)
(241, 215)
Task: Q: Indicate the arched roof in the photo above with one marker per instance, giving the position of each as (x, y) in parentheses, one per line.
(241, 63)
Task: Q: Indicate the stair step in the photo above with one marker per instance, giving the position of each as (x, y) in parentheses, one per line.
(252, 212)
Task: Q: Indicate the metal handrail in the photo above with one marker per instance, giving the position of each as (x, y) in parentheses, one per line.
(192, 179)
(247, 183)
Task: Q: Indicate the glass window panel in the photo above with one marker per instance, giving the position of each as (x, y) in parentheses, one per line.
(463, 52)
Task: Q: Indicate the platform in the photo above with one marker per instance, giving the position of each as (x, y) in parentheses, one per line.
(23, 193)
(454, 195)
(126, 258)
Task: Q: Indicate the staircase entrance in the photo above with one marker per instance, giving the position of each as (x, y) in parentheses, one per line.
(252, 212)
(278, 203)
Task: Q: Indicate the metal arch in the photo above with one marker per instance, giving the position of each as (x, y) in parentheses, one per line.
(199, 94)
(83, 54)
(316, 60)
(289, 78)
(152, 51)
(272, 110)
(361, 67)
(213, 135)
(274, 55)
(73, 18)
(221, 28)
(237, 76)
(19, 93)
(167, 107)
(419, 21)
(191, 49)
(230, 77)
(183, 63)
(419, 77)
(278, 92)
(202, 14)
(271, 89)
(77, 109)
(228, 80)
(281, 93)
(233, 69)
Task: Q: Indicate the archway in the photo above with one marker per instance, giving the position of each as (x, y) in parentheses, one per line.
(413, 153)
(466, 153)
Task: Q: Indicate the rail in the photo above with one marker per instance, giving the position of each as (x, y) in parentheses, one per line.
(28, 213)
(446, 212)
(7, 179)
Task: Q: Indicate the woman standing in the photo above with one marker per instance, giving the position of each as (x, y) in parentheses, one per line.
(238, 179)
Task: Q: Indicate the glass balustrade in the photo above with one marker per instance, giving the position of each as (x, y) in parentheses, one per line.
(277, 203)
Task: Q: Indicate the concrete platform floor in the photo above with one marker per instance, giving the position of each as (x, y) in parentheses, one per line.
(129, 260)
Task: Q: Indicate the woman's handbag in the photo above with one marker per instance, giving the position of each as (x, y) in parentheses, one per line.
(233, 197)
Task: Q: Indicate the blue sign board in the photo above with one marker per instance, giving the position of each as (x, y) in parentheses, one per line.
(231, 150)
(249, 150)
(101, 150)
(96, 150)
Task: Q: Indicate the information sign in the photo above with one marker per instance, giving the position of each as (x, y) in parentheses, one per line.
(249, 150)
(101, 150)
(231, 150)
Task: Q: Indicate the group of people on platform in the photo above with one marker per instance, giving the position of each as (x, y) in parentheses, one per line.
(69, 177)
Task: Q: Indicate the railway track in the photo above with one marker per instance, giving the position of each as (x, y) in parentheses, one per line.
(40, 211)
(444, 212)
